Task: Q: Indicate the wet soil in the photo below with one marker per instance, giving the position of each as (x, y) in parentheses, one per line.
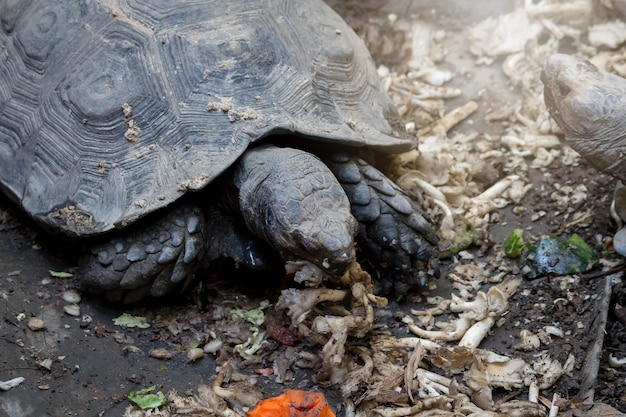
(95, 364)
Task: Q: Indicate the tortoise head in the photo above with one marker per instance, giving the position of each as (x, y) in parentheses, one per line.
(589, 106)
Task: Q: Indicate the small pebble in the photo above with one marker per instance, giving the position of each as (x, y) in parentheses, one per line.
(554, 331)
(46, 363)
(161, 354)
(195, 354)
(43, 295)
(72, 310)
(7, 385)
(132, 349)
(71, 296)
(36, 324)
(85, 321)
(213, 346)
(616, 362)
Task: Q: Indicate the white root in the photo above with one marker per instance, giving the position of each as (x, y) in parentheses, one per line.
(475, 334)
(456, 331)
(496, 189)
(478, 307)
(440, 402)
(450, 120)
(389, 343)
(439, 382)
(533, 392)
(554, 408)
(407, 180)
(300, 302)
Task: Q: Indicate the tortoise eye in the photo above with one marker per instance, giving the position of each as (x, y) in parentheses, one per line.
(563, 87)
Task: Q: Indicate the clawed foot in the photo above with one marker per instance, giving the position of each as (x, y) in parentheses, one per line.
(394, 238)
(154, 260)
(150, 260)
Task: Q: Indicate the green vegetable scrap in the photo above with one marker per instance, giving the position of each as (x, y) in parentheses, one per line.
(58, 274)
(464, 237)
(145, 400)
(252, 345)
(127, 320)
(514, 244)
(254, 316)
(551, 256)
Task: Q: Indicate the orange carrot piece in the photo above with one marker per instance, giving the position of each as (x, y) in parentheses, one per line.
(293, 403)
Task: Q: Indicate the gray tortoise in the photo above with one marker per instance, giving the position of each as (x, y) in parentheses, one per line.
(172, 133)
(588, 105)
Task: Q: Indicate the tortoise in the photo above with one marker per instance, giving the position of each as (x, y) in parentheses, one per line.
(588, 105)
(170, 134)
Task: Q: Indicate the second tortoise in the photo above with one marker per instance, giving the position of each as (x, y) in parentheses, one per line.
(589, 106)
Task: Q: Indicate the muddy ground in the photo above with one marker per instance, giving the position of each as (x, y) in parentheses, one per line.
(93, 364)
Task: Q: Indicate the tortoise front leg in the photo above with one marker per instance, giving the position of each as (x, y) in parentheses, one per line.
(395, 237)
(162, 253)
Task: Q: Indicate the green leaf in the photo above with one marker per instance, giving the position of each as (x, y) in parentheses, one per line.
(145, 400)
(60, 274)
(254, 316)
(552, 256)
(252, 345)
(127, 320)
(514, 244)
(464, 237)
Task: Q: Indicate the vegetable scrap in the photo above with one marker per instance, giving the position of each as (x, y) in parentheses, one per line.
(145, 399)
(293, 403)
(60, 274)
(127, 320)
(256, 317)
(550, 255)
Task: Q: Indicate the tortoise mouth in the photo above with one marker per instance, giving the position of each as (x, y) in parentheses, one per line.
(338, 263)
(548, 98)
(549, 77)
(570, 93)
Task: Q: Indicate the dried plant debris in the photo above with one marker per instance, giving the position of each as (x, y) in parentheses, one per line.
(215, 400)
(381, 374)
(447, 176)
(449, 168)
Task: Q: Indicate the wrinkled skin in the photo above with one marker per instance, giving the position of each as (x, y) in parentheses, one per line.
(589, 106)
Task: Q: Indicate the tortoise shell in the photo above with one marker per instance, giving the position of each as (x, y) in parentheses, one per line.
(110, 109)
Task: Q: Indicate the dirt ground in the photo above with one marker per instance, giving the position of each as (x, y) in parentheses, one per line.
(83, 364)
